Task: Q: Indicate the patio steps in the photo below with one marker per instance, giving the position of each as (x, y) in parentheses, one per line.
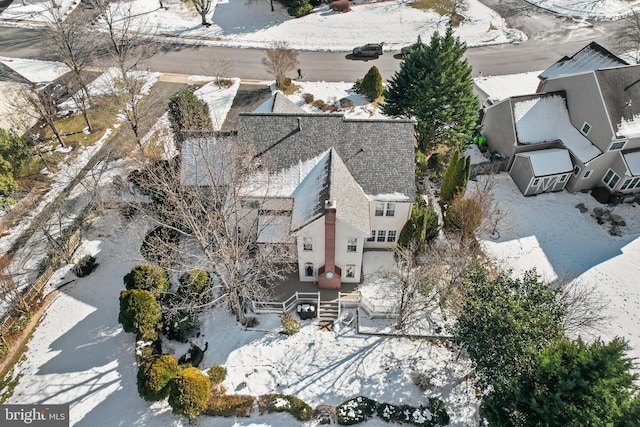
(328, 311)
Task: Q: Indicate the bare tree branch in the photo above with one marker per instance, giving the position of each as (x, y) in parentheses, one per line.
(279, 60)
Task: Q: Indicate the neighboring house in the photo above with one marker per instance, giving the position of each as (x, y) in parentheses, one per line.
(337, 186)
(581, 131)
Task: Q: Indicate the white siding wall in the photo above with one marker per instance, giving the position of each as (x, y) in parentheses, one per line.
(388, 223)
(315, 230)
(344, 258)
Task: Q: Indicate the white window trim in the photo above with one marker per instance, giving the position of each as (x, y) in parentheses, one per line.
(350, 244)
(307, 241)
(614, 174)
(587, 173)
(617, 142)
(588, 130)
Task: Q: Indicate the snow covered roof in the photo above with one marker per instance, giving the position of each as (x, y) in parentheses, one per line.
(589, 58)
(310, 195)
(620, 88)
(549, 162)
(203, 162)
(278, 103)
(632, 159)
(274, 229)
(544, 118)
(363, 145)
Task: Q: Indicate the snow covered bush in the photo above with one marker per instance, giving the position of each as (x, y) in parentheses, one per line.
(284, 403)
(85, 266)
(432, 415)
(290, 325)
(180, 325)
(308, 98)
(422, 380)
(154, 375)
(189, 392)
(229, 405)
(355, 411)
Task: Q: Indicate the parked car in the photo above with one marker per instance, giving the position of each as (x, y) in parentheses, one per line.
(405, 50)
(370, 49)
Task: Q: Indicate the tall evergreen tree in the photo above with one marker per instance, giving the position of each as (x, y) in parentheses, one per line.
(434, 86)
(573, 384)
(371, 85)
(455, 177)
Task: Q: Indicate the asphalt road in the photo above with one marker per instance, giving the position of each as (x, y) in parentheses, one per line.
(550, 38)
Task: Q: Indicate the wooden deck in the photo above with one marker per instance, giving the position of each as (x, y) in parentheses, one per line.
(290, 285)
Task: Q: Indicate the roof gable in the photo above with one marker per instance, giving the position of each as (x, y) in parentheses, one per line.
(278, 103)
(589, 58)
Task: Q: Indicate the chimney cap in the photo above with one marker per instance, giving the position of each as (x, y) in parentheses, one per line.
(330, 204)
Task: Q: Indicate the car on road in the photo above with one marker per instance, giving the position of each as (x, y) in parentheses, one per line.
(405, 50)
(370, 49)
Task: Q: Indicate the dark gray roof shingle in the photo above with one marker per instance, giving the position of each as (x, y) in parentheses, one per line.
(620, 89)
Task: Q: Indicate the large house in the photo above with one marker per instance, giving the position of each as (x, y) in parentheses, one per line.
(337, 186)
(581, 129)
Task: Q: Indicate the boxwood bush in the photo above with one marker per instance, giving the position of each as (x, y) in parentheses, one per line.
(284, 403)
(217, 374)
(355, 411)
(147, 277)
(154, 375)
(229, 405)
(85, 266)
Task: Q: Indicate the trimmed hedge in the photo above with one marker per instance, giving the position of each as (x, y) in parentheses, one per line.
(217, 374)
(154, 375)
(229, 405)
(356, 410)
(147, 277)
(189, 392)
(284, 403)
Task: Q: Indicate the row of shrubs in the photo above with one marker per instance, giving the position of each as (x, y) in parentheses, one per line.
(360, 409)
(345, 103)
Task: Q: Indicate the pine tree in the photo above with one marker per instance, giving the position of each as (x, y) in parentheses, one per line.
(371, 85)
(434, 86)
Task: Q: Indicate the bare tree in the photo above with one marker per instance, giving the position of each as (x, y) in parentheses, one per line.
(208, 210)
(40, 104)
(586, 307)
(279, 60)
(203, 7)
(10, 293)
(627, 37)
(219, 68)
(69, 40)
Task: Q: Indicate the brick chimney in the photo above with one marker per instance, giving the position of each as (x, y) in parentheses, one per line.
(329, 275)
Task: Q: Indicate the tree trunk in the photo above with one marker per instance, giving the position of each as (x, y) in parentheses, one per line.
(272, 9)
(203, 15)
(54, 129)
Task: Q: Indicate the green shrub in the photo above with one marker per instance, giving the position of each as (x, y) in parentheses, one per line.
(180, 325)
(355, 411)
(423, 226)
(346, 103)
(217, 374)
(85, 266)
(285, 403)
(290, 325)
(464, 215)
(229, 405)
(154, 374)
(4, 347)
(302, 7)
(308, 98)
(371, 85)
(140, 313)
(188, 113)
(195, 285)
(318, 103)
(189, 392)
(147, 277)
(357, 86)
(455, 178)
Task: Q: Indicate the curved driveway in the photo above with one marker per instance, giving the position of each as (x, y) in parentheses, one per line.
(550, 38)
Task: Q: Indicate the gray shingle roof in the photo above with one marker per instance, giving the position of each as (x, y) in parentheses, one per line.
(620, 89)
(379, 154)
(589, 58)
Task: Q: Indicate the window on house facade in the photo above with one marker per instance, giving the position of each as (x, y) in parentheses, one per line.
(379, 209)
(352, 244)
(391, 236)
(630, 184)
(586, 127)
(587, 174)
(536, 182)
(617, 145)
(309, 270)
(350, 271)
(576, 170)
(563, 178)
(611, 179)
(381, 235)
(391, 209)
(373, 236)
(307, 243)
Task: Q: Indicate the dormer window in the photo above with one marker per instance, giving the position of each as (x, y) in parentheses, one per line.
(618, 145)
(586, 127)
